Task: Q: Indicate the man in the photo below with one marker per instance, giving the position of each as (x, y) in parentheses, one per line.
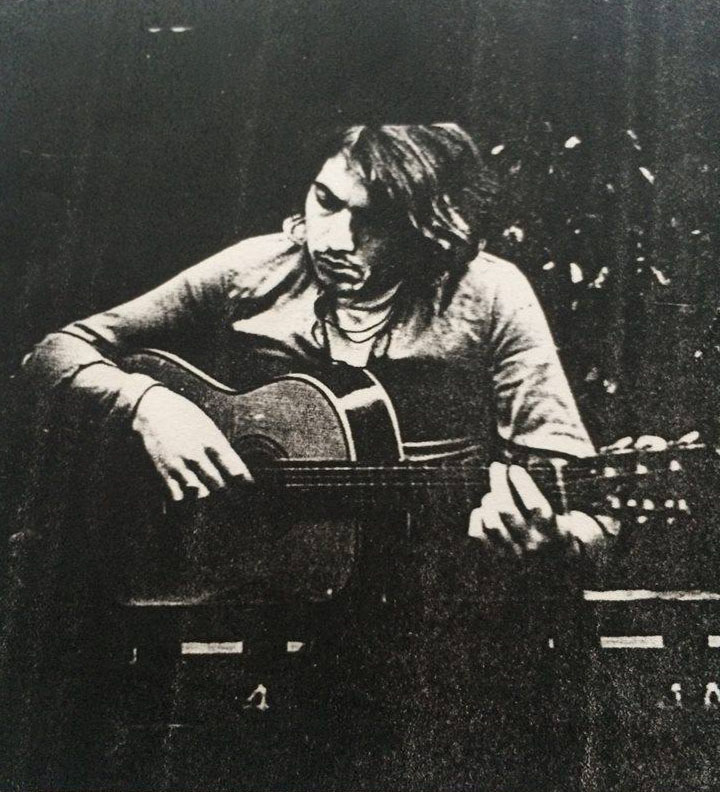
(384, 270)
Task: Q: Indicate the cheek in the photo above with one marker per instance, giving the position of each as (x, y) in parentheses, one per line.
(377, 257)
(311, 223)
(381, 250)
(309, 206)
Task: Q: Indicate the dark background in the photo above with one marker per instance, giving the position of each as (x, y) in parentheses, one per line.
(131, 151)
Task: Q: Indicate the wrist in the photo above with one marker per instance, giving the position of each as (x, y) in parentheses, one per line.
(137, 416)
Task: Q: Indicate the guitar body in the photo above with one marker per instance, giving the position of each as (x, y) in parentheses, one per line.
(249, 546)
(344, 413)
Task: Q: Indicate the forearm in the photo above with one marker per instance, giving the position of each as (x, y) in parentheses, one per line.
(65, 368)
(78, 365)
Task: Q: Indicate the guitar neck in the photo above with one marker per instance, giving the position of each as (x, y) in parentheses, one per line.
(642, 481)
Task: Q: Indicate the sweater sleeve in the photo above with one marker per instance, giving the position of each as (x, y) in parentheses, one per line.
(78, 362)
(534, 403)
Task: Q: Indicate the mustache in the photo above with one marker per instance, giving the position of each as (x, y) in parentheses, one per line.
(332, 261)
(335, 260)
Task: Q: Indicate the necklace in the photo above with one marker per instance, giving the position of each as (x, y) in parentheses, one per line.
(346, 331)
(330, 320)
(351, 340)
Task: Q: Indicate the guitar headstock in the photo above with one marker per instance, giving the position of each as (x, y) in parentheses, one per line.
(640, 484)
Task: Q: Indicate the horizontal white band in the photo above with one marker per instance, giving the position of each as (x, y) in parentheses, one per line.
(632, 595)
(631, 642)
(211, 647)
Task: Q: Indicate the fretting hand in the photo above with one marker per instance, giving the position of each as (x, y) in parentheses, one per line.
(515, 517)
(192, 456)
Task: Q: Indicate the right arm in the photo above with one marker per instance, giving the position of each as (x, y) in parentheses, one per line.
(77, 365)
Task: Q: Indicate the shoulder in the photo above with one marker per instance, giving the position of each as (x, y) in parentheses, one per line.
(253, 266)
(493, 286)
(257, 258)
(491, 274)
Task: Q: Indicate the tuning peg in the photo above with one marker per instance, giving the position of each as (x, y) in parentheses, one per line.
(651, 443)
(690, 438)
(644, 442)
(619, 445)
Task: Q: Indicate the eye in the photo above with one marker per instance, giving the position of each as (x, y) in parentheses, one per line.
(326, 199)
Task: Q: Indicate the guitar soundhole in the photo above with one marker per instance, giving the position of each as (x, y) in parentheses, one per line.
(258, 451)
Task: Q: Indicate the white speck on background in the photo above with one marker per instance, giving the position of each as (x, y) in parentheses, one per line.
(649, 175)
(631, 134)
(610, 386)
(662, 278)
(514, 232)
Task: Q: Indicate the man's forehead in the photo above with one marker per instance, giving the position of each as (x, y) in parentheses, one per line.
(345, 180)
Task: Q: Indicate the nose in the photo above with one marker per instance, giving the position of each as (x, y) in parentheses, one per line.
(338, 232)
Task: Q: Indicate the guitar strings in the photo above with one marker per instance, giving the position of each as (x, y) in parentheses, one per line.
(548, 487)
(449, 473)
(366, 477)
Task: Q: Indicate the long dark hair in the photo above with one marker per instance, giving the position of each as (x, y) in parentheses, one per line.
(432, 175)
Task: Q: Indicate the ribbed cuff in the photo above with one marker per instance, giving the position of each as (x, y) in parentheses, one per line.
(116, 393)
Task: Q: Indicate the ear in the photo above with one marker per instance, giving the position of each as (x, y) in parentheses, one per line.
(294, 228)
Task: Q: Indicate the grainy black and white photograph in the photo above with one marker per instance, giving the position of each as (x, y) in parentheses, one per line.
(360, 392)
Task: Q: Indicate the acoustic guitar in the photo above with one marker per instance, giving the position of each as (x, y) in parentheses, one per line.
(331, 467)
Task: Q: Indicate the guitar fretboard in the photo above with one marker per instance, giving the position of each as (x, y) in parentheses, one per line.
(644, 481)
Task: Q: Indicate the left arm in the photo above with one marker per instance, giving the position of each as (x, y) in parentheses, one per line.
(535, 410)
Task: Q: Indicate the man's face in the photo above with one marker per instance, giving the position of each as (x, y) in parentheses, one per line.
(354, 248)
